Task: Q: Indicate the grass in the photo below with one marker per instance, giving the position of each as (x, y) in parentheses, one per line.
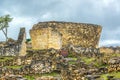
(88, 60)
(70, 55)
(115, 74)
(71, 62)
(74, 58)
(97, 63)
(28, 77)
(5, 58)
(115, 55)
(14, 67)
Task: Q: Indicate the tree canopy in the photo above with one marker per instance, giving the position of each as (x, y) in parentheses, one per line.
(4, 20)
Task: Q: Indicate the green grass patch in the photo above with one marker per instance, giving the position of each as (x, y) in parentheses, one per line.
(32, 77)
(70, 55)
(115, 55)
(29, 77)
(115, 74)
(71, 62)
(74, 58)
(5, 58)
(88, 60)
(13, 67)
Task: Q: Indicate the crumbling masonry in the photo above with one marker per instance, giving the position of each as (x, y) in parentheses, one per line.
(55, 35)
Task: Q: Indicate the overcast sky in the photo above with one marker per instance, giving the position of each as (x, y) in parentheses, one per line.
(28, 12)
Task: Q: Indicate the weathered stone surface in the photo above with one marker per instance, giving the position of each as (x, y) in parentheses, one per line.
(9, 48)
(82, 51)
(114, 64)
(46, 35)
(22, 42)
(47, 78)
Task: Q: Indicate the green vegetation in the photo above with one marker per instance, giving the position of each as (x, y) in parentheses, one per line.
(88, 60)
(71, 62)
(32, 77)
(115, 55)
(4, 20)
(29, 77)
(5, 58)
(14, 67)
(70, 55)
(27, 40)
(74, 58)
(115, 74)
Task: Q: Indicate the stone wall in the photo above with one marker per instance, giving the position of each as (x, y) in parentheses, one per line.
(22, 42)
(110, 50)
(77, 34)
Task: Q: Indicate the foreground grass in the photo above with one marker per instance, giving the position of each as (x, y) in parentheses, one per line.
(32, 77)
(115, 74)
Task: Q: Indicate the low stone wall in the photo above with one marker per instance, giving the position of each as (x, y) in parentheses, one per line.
(110, 50)
(9, 50)
(82, 51)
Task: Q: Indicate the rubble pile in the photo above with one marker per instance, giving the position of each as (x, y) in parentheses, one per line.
(41, 61)
(114, 64)
(46, 61)
(10, 48)
(12, 77)
(71, 73)
(77, 71)
(46, 78)
(82, 51)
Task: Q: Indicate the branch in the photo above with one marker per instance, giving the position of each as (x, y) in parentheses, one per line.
(5, 34)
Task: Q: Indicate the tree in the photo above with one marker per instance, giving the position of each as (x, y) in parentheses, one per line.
(4, 20)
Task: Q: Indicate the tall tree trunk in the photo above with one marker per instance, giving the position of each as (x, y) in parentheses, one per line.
(5, 35)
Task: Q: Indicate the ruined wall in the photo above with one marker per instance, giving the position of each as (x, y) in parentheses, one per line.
(78, 34)
(110, 50)
(9, 49)
(22, 42)
(14, 47)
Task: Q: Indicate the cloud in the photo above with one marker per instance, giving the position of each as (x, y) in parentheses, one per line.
(29, 12)
(110, 42)
(19, 22)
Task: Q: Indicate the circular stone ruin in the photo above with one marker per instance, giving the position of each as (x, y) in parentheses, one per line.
(56, 35)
